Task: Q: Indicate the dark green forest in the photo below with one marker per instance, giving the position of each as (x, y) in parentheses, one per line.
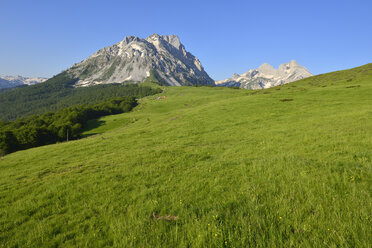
(64, 124)
(58, 92)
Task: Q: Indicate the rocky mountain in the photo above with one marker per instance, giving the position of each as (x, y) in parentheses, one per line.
(10, 81)
(134, 59)
(266, 76)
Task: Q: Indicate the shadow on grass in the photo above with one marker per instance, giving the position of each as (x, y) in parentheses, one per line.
(92, 124)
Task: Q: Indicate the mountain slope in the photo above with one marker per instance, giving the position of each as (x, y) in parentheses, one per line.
(58, 92)
(266, 76)
(134, 59)
(285, 166)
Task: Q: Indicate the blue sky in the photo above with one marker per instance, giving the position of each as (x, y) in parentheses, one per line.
(43, 37)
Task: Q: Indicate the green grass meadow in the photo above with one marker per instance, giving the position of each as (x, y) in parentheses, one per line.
(289, 166)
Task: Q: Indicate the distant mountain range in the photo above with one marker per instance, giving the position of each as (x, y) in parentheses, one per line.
(10, 81)
(164, 60)
(266, 76)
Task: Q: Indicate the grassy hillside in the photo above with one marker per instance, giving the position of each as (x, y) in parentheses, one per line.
(205, 167)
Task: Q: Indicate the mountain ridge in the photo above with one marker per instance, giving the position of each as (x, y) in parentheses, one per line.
(266, 76)
(14, 81)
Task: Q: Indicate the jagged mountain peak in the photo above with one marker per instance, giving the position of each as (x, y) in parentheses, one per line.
(265, 65)
(267, 69)
(172, 39)
(294, 63)
(134, 59)
(235, 75)
(130, 38)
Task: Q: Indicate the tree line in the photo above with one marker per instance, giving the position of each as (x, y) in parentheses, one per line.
(52, 127)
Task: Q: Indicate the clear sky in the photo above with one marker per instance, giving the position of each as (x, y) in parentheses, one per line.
(44, 37)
